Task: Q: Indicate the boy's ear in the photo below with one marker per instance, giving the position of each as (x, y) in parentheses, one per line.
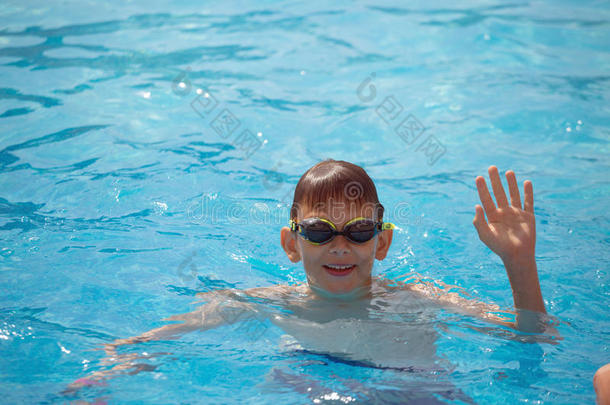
(289, 243)
(384, 240)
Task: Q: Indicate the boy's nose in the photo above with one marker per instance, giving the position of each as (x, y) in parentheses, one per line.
(339, 245)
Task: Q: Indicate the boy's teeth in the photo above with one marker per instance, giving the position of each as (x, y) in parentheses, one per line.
(333, 266)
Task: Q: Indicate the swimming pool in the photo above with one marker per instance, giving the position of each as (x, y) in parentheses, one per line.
(122, 197)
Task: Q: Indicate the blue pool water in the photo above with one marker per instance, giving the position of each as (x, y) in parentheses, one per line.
(121, 197)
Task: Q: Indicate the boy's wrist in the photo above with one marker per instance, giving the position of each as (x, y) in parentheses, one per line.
(523, 277)
(522, 271)
(521, 259)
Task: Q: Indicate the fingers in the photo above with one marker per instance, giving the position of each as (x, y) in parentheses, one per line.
(496, 184)
(479, 221)
(484, 195)
(513, 188)
(528, 191)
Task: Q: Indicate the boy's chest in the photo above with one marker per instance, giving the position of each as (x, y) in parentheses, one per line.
(384, 338)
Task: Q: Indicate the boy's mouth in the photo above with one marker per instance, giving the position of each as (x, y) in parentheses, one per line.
(339, 269)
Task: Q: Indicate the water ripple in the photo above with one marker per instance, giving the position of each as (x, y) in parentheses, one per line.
(8, 93)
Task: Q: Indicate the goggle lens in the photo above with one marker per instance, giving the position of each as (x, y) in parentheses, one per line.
(317, 232)
(361, 231)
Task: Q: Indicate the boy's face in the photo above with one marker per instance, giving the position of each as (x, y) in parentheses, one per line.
(318, 260)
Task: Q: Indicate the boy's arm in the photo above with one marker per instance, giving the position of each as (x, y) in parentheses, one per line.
(448, 297)
(457, 301)
(510, 232)
(220, 308)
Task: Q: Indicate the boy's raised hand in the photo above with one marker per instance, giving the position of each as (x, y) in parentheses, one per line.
(510, 229)
(510, 232)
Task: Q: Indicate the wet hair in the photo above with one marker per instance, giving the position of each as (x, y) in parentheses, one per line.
(336, 182)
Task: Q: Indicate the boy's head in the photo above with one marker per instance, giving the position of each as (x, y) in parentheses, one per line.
(340, 194)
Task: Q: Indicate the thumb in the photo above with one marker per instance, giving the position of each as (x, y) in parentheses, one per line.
(480, 223)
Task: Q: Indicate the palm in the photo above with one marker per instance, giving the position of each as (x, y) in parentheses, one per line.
(509, 231)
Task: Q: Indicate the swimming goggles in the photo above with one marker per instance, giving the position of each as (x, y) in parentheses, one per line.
(319, 231)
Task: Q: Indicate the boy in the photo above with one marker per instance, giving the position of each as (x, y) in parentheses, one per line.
(337, 230)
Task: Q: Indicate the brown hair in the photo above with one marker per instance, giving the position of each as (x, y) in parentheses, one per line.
(336, 181)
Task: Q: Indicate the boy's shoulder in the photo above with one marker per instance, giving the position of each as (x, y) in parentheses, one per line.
(269, 292)
(278, 291)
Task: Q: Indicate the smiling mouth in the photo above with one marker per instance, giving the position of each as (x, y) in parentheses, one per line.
(339, 269)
